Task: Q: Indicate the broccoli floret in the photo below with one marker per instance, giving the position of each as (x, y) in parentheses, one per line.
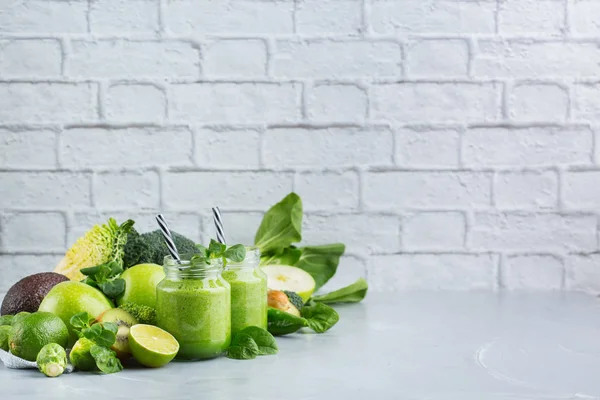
(150, 247)
(144, 314)
(295, 299)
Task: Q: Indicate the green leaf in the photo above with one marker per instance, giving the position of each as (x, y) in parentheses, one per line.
(321, 262)
(90, 271)
(235, 253)
(289, 256)
(320, 317)
(353, 293)
(111, 327)
(106, 359)
(93, 332)
(216, 249)
(81, 320)
(203, 251)
(114, 288)
(264, 340)
(115, 269)
(281, 226)
(243, 347)
(283, 323)
(103, 334)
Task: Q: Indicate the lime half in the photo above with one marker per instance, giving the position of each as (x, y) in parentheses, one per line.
(286, 277)
(152, 346)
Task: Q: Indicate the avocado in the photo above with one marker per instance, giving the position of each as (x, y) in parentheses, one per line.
(28, 293)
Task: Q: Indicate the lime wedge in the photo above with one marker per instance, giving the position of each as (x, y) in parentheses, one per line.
(286, 277)
(152, 346)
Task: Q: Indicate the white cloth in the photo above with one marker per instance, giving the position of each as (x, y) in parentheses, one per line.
(15, 362)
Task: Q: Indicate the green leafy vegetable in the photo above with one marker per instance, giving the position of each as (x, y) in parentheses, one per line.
(251, 342)
(281, 226)
(321, 262)
(216, 249)
(106, 359)
(282, 323)
(106, 278)
(320, 317)
(353, 293)
(235, 253)
(52, 360)
(103, 334)
(150, 247)
(288, 256)
(81, 321)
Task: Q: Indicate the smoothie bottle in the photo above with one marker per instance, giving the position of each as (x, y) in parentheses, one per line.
(193, 303)
(248, 292)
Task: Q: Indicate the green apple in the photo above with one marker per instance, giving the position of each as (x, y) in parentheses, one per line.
(140, 284)
(69, 298)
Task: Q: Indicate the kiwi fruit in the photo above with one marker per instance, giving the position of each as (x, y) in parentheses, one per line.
(124, 321)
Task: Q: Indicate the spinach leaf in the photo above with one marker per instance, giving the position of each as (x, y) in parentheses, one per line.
(264, 340)
(281, 226)
(288, 256)
(353, 293)
(106, 359)
(283, 323)
(106, 278)
(243, 347)
(321, 262)
(235, 253)
(320, 317)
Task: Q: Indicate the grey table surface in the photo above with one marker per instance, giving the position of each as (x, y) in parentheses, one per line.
(429, 346)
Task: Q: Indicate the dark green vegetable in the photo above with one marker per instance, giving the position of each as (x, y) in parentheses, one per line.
(320, 317)
(144, 314)
(150, 247)
(321, 262)
(235, 253)
(350, 294)
(106, 278)
(295, 299)
(251, 342)
(106, 359)
(282, 323)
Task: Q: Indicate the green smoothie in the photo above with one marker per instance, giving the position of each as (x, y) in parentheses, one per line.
(195, 307)
(248, 292)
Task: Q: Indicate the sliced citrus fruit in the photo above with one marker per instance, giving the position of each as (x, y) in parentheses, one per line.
(286, 277)
(152, 346)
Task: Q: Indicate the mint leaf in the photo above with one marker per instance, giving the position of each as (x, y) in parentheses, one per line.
(235, 253)
(106, 359)
(216, 249)
(353, 293)
(281, 226)
(93, 332)
(114, 288)
(80, 321)
(243, 347)
(320, 317)
(264, 340)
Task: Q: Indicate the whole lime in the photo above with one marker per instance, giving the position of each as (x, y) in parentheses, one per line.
(69, 298)
(140, 284)
(28, 336)
(81, 357)
(4, 334)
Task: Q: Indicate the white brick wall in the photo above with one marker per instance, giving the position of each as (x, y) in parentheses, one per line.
(451, 144)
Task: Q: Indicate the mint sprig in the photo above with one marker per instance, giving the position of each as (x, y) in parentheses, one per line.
(215, 250)
(106, 277)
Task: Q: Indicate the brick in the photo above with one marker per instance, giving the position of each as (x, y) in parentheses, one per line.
(126, 147)
(235, 102)
(435, 102)
(533, 232)
(127, 190)
(328, 190)
(27, 149)
(427, 147)
(293, 146)
(123, 16)
(392, 273)
(240, 58)
(30, 58)
(440, 190)
(537, 146)
(187, 224)
(583, 17)
(44, 189)
(16, 267)
(529, 59)
(326, 59)
(434, 231)
(255, 190)
(526, 190)
(239, 227)
(585, 102)
(133, 59)
(349, 270)
(538, 102)
(359, 232)
(580, 190)
(35, 16)
(583, 273)
(245, 17)
(47, 102)
(34, 232)
(531, 16)
(329, 17)
(432, 16)
(135, 102)
(533, 272)
(337, 103)
(437, 58)
(238, 148)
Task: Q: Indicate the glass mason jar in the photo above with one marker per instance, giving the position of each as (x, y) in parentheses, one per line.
(248, 292)
(193, 303)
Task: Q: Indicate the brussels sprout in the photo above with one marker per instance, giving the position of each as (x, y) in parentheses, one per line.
(52, 360)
